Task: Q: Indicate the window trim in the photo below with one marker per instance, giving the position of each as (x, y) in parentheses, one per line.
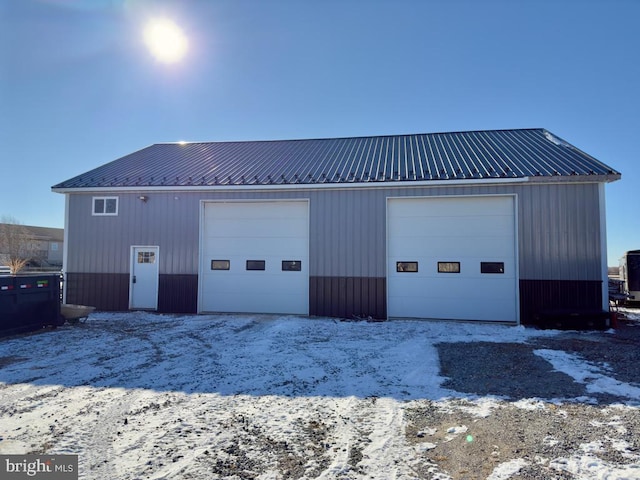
(104, 213)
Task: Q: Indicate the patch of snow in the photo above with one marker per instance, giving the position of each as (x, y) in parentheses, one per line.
(457, 430)
(553, 139)
(507, 469)
(592, 447)
(623, 447)
(616, 425)
(630, 313)
(593, 376)
(425, 446)
(453, 432)
(530, 404)
(550, 441)
(479, 407)
(590, 467)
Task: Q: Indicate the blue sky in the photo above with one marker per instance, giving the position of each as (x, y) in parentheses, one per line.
(78, 87)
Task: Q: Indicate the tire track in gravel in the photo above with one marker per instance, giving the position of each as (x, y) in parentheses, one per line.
(382, 422)
(98, 437)
(370, 441)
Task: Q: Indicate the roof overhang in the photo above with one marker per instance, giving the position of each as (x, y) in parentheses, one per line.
(346, 185)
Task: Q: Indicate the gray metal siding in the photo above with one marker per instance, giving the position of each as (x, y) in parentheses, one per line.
(347, 235)
(558, 229)
(102, 243)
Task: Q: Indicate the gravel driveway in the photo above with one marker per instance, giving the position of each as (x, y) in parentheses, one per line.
(515, 371)
(532, 440)
(138, 396)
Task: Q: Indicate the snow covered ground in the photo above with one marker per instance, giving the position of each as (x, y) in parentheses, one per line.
(139, 395)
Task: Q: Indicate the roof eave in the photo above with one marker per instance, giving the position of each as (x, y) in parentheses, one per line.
(588, 178)
(595, 178)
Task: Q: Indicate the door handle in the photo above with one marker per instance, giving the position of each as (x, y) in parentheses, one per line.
(134, 279)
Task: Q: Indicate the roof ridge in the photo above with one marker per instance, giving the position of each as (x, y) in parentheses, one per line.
(355, 137)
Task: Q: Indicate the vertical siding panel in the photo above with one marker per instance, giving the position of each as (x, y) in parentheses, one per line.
(380, 298)
(343, 253)
(313, 296)
(378, 205)
(325, 259)
(315, 235)
(333, 299)
(328, 303)
(351, 302)
(356, 238)
(316, 292)
(323, 209)
(325, 256)
(364, 297)
(372, 297)
(525, 232)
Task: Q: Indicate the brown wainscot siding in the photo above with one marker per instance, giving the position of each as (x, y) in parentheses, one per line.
(178, 293)
(110, 291)
(348, 297)
(540, 296)
(105, 291)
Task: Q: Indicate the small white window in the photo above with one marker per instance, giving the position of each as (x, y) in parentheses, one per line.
(54, 247)
(105, 205)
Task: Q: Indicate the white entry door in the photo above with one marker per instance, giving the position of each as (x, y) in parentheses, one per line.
(143, 281)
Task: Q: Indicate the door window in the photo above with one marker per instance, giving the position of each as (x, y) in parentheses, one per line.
(146, 257)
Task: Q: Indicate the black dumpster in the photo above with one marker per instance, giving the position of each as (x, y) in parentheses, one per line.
(29, 302)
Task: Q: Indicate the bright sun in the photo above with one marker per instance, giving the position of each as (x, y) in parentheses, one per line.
(165, 40)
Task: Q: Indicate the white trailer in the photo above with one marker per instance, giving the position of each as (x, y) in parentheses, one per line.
(630, 275)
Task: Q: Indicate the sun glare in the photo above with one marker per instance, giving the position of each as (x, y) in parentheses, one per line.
(165, 40)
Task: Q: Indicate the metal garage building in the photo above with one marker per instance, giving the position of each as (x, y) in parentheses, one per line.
(486, 225)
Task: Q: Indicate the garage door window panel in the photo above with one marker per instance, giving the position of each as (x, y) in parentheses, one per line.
(220, 264)
(407, 267)
(492, 267)
(448, 267)
(256, 265)
(291, 265)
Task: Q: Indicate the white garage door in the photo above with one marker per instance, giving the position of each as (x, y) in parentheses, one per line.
(452, 258)
(255, 257)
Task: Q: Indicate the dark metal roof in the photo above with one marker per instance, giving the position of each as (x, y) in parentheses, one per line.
(405, 158)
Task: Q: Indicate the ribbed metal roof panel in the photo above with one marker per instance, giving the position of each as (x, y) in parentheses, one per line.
(403, 158)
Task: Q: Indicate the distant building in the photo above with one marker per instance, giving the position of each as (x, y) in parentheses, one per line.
(488, 225)
(44, 245)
